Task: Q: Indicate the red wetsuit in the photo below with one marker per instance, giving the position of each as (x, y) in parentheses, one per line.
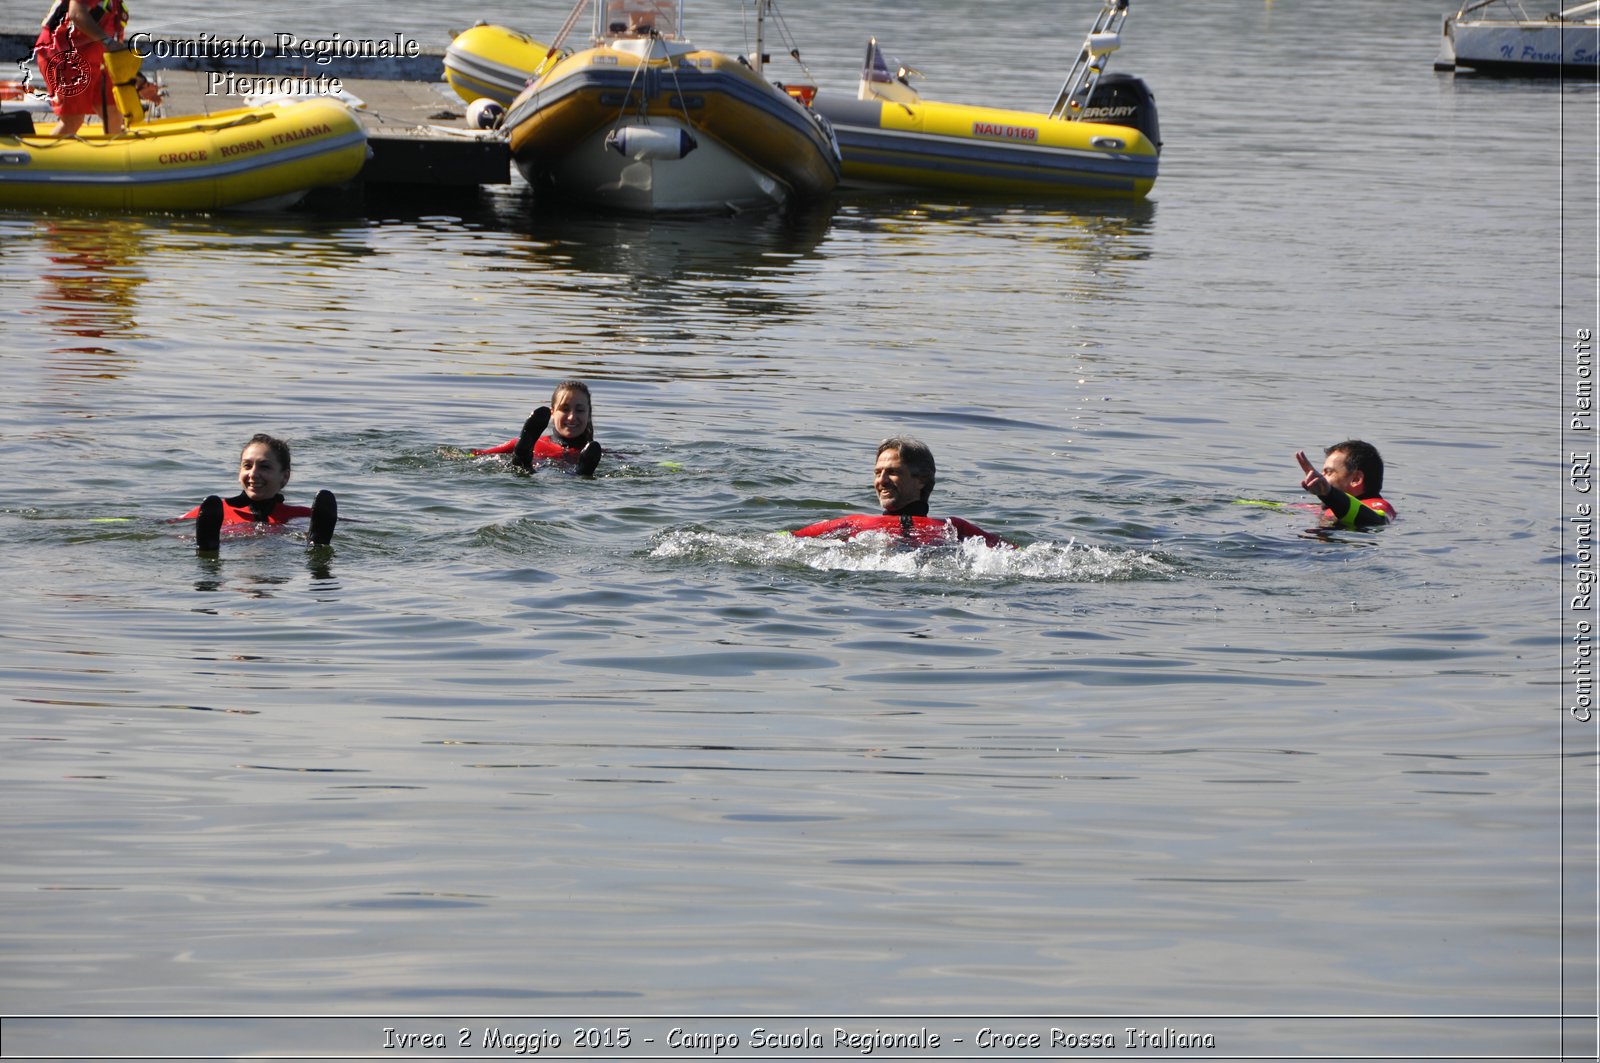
(922, 531)
(543, 447)
(236, 510)
(71, 61)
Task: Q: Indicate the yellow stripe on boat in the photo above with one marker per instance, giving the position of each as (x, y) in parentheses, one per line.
(255, 156)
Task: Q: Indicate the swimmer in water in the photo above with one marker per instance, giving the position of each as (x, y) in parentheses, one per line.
(263, 474)
(571, 426)
(1350, 485)
(903, 478)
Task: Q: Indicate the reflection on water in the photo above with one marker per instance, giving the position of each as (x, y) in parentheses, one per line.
(258, 565)
(90, 279)
(661, 280)
(1078, 251)
(658, 251)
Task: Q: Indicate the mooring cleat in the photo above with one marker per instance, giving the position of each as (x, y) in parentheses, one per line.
(532, 429)
(208, 525)
(324, 515)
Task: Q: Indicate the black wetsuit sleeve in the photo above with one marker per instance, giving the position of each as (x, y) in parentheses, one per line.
(1349, 512)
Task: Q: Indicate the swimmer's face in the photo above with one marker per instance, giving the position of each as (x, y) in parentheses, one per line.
(260, 475)
(569, 413)
(897, 487)
(1338, 474)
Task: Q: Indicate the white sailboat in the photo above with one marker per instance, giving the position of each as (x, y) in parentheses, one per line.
(1504, 37)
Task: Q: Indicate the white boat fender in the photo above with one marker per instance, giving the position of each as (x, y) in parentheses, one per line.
(650, 142)
(484, 113)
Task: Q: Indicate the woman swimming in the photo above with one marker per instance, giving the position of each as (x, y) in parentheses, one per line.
(264, 468)
(571, 425)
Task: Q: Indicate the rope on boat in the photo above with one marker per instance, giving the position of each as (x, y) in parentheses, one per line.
(560, 39)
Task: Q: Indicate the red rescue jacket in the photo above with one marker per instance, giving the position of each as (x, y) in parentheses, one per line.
(236, 510)
(923, 531)
(543, 447)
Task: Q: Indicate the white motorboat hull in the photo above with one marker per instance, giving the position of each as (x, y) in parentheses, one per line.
(1539, 48)
(709, 179)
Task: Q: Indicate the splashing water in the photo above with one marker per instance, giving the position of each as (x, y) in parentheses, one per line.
(967, 561)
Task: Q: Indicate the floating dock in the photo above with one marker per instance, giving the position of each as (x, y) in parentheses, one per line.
(416, 125)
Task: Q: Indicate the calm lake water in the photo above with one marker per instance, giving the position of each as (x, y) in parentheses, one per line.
(540, 746)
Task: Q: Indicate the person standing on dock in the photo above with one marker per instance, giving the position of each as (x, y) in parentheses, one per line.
(70, 53)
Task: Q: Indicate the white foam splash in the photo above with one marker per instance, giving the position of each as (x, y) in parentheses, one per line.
(969, 560)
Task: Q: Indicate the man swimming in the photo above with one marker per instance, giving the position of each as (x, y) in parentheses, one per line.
(1350, 484)
(903, 478)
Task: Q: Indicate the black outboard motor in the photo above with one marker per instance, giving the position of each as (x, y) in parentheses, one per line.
(1123, 99)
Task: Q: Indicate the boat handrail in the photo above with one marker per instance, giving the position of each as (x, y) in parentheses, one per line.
(1515, 8)
(1104, 38)
(1479, 5)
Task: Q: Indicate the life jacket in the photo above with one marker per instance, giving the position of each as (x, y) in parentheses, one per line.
(920, 531)
(543, 447)
(236, 510)
(1375, 503)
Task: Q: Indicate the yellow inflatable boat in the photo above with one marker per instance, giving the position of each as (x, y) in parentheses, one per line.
(643, 120)
(1101, 138)
(989, 150)
(250, 158)
(633, 131)
(491, 62)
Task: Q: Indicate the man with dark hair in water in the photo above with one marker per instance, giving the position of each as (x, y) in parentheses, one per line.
(1350, 484)
(903, 478)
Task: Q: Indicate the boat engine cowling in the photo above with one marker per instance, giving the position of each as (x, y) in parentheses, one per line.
(1123, 99)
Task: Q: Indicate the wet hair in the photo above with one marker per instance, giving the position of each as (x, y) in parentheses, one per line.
(1362, 457)
(582, 389)
(280, 449)
(916, 457)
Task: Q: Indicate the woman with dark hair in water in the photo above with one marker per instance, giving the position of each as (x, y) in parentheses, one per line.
(264, 467)
(571, 425)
